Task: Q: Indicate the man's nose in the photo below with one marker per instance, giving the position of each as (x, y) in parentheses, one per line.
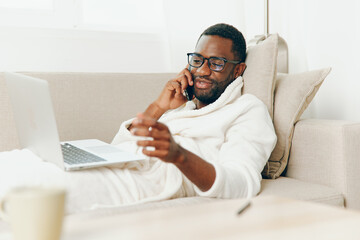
(204, 70)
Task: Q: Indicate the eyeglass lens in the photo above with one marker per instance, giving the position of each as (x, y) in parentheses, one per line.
(215, 64)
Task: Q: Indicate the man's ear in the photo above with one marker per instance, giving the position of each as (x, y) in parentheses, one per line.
(239, 69)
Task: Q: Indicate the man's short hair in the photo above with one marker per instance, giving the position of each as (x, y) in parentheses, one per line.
(230, 32)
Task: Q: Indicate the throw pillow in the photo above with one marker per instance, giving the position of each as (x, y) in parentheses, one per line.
(293, 93)
(259, 76)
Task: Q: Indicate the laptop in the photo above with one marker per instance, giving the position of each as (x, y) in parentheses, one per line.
(35, 121)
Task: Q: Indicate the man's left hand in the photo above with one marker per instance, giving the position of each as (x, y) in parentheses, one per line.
(163, 144)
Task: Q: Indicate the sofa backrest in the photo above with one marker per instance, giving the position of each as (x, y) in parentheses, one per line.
(87, 105)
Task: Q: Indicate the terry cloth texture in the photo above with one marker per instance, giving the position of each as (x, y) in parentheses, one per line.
(235, 134)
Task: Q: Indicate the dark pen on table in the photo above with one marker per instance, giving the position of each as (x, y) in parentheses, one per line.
(245, 206)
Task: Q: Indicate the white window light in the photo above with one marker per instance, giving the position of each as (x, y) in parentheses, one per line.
(27, 4)
(111, 15)
(128, 15)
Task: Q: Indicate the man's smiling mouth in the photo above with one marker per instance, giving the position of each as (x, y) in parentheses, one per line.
(202, 83)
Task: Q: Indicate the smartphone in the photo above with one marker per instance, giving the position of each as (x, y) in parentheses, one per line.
(189, 91)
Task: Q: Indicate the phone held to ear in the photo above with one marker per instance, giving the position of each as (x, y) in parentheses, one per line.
(189, 91)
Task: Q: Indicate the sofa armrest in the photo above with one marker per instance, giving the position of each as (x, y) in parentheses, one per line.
(327, 152)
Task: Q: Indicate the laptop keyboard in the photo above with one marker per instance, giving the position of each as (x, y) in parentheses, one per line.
(73, 155)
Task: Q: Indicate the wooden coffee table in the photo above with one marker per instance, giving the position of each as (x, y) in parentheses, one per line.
(267, 218)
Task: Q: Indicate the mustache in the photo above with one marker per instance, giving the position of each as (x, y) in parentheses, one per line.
(202, 78)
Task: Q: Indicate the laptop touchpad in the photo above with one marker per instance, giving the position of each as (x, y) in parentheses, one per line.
(104, 149)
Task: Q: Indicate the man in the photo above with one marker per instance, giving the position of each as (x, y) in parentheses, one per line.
(215, 145)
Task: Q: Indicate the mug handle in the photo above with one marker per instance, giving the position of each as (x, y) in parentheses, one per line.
(3, 213)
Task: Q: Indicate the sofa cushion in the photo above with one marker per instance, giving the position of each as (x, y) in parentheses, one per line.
(293, 93)
(259, 76)
(296, 189)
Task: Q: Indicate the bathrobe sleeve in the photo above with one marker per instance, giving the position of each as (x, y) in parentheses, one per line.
(249, 141)
(124, 134)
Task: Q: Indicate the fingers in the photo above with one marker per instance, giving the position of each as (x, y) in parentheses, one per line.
(162, 154)
(180, 83)
(188, 75)
(159, 149)
(184, 82)
(150, 132)
(175, 85)
(158, 145)
(173, 95)
(149, 127)
(147, 122)
(185, 78)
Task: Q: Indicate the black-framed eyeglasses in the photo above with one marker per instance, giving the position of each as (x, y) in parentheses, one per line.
(216, 64)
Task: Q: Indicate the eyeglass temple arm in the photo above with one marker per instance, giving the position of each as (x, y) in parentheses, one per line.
(233, 61)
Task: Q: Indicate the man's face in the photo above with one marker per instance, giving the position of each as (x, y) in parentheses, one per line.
(208, 84)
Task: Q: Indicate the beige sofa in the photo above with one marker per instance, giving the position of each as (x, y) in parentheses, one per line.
(324, 158)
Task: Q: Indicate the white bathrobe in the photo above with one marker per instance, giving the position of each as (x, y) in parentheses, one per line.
(235, 134)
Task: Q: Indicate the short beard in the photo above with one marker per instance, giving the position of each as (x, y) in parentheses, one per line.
(215, 92)
(211, 97)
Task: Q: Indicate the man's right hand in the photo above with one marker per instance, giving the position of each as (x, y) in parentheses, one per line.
(172, 95)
